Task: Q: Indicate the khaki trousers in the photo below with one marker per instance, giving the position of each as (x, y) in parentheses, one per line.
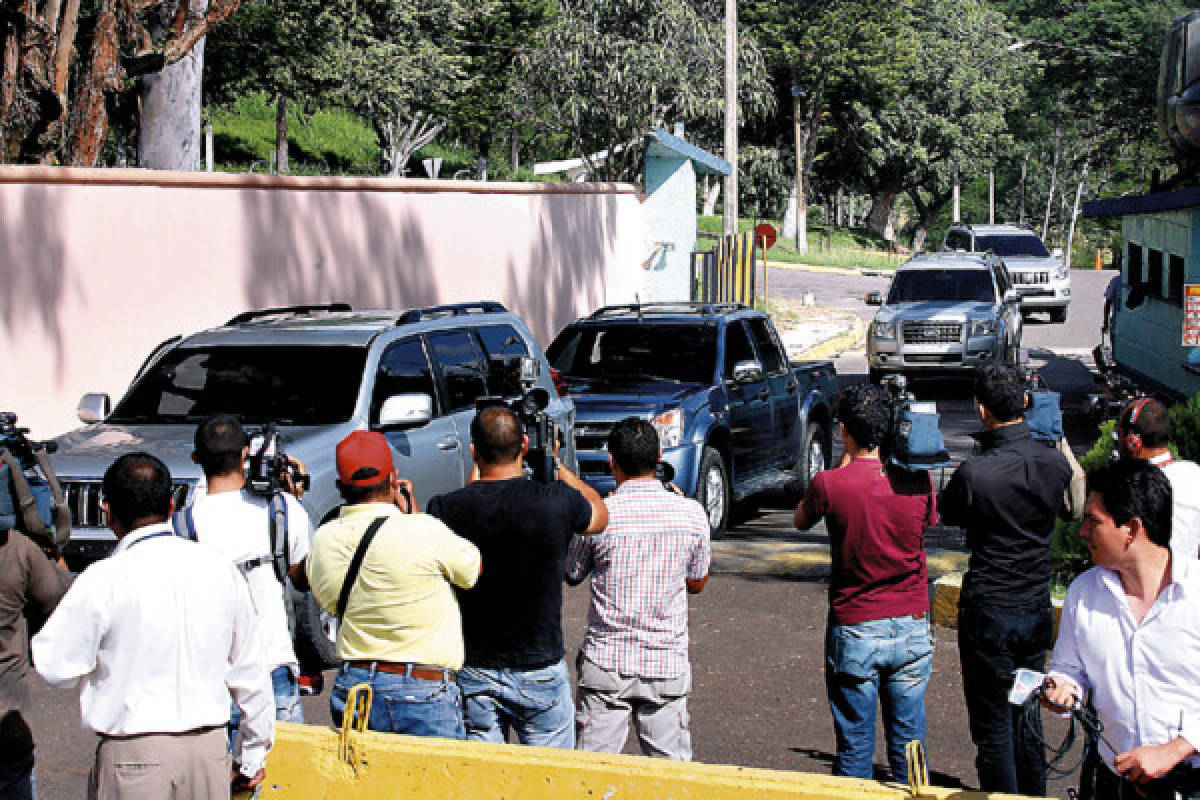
(607, 701)
(162, 766)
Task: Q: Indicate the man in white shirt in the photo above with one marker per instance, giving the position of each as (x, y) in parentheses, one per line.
(1130, 635)
(1144, 431)
(158, 636)
(238, 523)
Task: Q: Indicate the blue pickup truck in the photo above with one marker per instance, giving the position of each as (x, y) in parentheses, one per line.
(734, 416)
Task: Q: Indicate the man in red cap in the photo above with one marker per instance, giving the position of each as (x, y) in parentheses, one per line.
(388, 571)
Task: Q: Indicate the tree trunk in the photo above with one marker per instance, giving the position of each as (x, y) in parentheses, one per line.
(89, 113)
(1050, 194)
(1075, 213)
(1021, 208)
(710, 199)
(879, 221)
(839, 215)
(169, 131)
(515, 152)
(281, 135)
(787, 226)
(799, 229)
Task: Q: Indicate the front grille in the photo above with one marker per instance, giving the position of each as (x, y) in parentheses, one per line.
(932, 332)
(592, 435)
(933, 358)
(83, 498)
(1033, 277)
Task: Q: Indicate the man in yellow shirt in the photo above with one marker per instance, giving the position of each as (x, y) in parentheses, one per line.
(400, 630)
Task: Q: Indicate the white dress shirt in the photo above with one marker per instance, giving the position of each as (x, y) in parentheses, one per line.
(238, 525)
(1144, 678)
(1185, 507)
(158, 635)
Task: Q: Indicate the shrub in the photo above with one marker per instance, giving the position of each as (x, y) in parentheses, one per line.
(1185, 429)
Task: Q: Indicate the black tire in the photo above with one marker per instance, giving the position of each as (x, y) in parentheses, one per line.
(1058, 314)
(815, 456)
(316, 633)
(712, 490)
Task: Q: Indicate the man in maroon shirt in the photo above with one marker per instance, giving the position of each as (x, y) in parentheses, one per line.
(878, 644)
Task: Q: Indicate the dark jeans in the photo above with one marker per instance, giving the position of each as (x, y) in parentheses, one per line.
(994, 642)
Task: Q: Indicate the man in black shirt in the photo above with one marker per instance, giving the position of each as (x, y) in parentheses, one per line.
(515, 675)
(1007, 497)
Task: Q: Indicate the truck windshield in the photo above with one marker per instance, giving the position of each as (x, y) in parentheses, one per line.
(682, 353)
(287, 385)
(1020, 244)
(941, 286)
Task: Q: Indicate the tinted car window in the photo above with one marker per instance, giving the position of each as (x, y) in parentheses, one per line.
(1014, 244)
(942, 286)
(684, 353)
(460, 367)
(287, 385)
(504, 348)
(768, 348)
(404, 369)
(737, 347)
(957, 240)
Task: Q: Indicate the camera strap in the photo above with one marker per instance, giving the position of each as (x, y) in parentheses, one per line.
(356, 564)
(278, 528)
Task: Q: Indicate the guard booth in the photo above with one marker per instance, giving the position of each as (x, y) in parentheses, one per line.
(1158, 342)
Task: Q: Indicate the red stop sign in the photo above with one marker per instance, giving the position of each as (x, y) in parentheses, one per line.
(765, 233)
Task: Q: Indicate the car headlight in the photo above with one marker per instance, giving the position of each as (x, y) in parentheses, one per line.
(669, 426)
(883, 330)
(1061, 272)
(983, 327)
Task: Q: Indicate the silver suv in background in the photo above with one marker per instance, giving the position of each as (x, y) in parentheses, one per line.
(944, 314)
(1041, 277)
(318, 373)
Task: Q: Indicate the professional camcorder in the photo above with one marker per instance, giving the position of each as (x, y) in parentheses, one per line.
(530, 408)
(914, 441)
(270, 469)
(31, 498)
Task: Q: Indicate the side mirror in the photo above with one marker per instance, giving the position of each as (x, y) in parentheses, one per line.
(874, 298)
(1057, 253)
(405, 411)
(1012, 297)
(747, 372)
(93, 407)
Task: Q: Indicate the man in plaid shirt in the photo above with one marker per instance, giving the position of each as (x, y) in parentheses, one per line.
(634, 659)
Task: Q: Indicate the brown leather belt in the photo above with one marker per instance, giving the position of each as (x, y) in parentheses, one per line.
(401, 668)
(922, 615)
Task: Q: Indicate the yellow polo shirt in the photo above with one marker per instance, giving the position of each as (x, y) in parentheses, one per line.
(402, 607)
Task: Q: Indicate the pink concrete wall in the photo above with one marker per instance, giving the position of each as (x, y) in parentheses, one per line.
(98, 266)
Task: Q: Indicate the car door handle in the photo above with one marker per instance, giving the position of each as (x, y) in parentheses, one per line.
(448, 443)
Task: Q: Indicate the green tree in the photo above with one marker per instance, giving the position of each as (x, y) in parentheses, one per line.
(608, 70)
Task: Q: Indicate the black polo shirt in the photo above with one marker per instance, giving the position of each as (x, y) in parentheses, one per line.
(1007, 498)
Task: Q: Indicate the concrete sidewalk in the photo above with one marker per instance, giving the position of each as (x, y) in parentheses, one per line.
(812, 332)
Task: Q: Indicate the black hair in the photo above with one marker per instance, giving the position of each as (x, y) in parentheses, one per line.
(1153, 423)
(137, 486)
(218, 444)
(1001, 390)
(353, 495)
(866, 412)
(633, 445)
(1132, 488)
(496, 433)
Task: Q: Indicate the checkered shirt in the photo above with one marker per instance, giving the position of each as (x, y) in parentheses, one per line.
(638, 619)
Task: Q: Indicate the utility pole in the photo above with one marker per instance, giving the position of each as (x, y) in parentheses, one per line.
(957, 214)
(992, 196)
(731, 117)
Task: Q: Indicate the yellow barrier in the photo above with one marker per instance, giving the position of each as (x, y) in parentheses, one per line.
(311, 763)
(946, 591)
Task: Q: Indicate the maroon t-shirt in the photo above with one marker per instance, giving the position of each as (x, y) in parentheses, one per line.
(876, 524)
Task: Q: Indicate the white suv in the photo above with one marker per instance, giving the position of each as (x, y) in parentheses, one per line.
(1041, 278)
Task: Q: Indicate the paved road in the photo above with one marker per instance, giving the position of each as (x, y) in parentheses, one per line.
(757, 630)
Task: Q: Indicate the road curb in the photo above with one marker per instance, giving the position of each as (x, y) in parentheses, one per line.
(864, 271)
(834, 344)
(805, 562)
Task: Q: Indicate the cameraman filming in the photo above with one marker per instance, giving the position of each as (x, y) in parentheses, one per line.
(878, 644)
(515, 674)
(240, 524)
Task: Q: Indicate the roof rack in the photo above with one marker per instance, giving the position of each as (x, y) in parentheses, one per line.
(454, 309)
(665, 308)
(246, 316)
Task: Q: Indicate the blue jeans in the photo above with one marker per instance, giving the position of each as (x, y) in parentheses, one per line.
(287, 703)
(885, 660)
(402, 703)
(536, 703)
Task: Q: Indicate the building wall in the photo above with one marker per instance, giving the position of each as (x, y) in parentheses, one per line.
(1149, 338)
(670, 228)
(98, 266)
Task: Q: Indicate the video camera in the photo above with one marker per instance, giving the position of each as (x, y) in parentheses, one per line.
(914, 441)
(270, 469)
(530, 408)
(31, 498)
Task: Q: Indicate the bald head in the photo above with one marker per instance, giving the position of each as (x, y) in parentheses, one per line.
(497, 436)
(137, 489)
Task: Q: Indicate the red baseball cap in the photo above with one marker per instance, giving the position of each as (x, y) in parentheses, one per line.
(364, 459)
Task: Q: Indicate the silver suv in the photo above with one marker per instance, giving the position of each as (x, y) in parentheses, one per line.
(318, 372)
(1042, 279)
(945, 313)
